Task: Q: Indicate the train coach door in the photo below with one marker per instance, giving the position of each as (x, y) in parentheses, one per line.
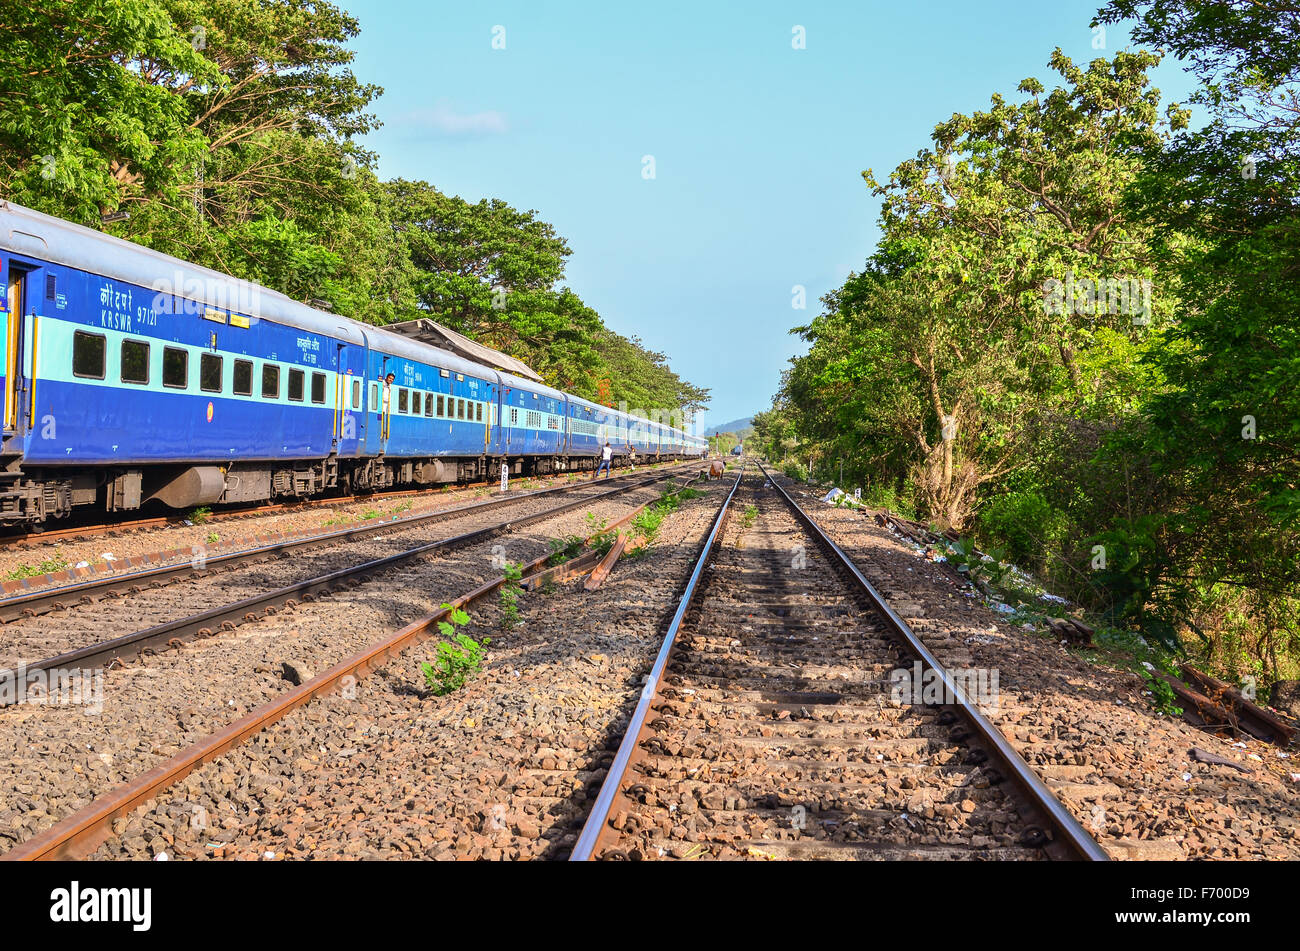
(349, 401)
(15, 390)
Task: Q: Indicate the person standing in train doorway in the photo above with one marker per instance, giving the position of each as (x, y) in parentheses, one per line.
(387, 405)
(606, 456)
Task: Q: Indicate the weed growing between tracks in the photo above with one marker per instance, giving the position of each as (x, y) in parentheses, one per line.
(650, 519)
(510, 592)
(455, 661)
(562, 549)
(57, 563)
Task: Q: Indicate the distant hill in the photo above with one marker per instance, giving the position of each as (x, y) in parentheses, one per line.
(742, 426)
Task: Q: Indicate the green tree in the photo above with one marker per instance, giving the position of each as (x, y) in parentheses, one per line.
(1223, 527)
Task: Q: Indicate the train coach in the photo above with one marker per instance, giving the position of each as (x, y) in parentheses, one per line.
(131, 376)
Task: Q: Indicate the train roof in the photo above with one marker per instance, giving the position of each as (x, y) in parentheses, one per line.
(24, 231)
(397, 345)
(529, 386)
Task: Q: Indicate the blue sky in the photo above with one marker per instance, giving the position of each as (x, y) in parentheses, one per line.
(758, 147)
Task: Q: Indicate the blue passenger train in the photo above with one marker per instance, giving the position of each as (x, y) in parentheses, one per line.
(131, 376)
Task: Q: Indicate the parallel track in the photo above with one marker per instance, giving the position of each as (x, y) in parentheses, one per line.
(79, 834)
(208, 623)
(62, 597)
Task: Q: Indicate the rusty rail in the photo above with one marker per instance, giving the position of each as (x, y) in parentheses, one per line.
(228, 616)
(81, 833)
(16, 542)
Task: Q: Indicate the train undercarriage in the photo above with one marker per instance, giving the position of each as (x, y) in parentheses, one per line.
(30, 498)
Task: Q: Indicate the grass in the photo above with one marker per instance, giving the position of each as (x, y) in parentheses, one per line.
(562, 549)
(509, 597)
(200, 515)
(650, 519)
(57, 563)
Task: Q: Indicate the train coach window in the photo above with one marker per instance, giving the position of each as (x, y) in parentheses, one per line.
(402, 400)
(270, 381)
(296, 378)
(318, 388)
(374, 397)
(243, 377)
(428, 404)
(210, 373)
(176, 368)
(478, 411)
(460, 409)
(135, 361)
(88, 355)
(356, 394)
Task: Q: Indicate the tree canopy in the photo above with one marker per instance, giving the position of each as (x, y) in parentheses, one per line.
(227, 130)
(1079, 337)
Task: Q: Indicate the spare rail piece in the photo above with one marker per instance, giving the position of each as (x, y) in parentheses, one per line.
(1252, 717)
(602, 570)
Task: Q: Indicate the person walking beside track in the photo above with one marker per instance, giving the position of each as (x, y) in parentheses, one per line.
(606, 457)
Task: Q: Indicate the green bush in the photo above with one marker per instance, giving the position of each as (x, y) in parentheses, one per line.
(1024, 525)
(794, 469)
(454, 661)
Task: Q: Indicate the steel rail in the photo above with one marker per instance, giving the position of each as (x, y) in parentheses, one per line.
(1069, 833)
(207, 623)
(81, 833)
(598, 818)
(84, 592)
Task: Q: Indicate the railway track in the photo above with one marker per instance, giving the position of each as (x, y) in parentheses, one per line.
(77, 834)
(775, 723)
(767, 730)
(343, 569)
(77, 533)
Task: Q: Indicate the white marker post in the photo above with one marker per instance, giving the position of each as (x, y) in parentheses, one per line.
(505, 476)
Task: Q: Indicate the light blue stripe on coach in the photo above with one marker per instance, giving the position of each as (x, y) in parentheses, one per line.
(54, 362)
